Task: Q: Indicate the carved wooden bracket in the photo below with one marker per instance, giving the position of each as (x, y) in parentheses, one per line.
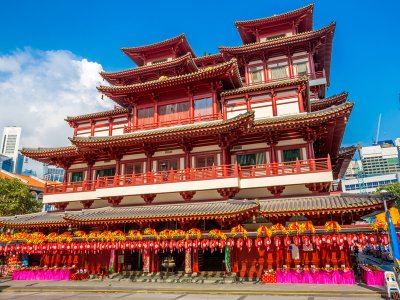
(276, 190)
(187, 195)
(318, 187)
(227, 193)
(60, 205)
(309, 134)
(149, 149)
(148, 198)
(87, 203)
(272, 138)
(115, 201)
(186, 144)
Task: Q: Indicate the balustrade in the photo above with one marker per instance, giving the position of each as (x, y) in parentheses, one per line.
(193, 174)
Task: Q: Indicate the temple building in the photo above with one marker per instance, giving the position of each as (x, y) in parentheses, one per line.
(244, 137)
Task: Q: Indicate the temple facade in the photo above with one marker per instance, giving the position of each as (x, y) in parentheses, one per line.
(241, 146)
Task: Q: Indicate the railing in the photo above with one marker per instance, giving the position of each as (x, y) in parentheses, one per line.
(175, 122)
(193, 174)
(286, 168)
(311, 76)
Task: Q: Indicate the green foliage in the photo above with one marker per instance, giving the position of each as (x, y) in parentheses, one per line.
(393, 188)
(15, 198)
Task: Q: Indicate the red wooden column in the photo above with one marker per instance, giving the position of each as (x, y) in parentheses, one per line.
(187, 147)
(195, 257)
(149, 151)
(274, 108)
(110, 126)
(300, 98)
(191, 103)
(214, 89)
(135, 116)
(290, 62)
(272, 141)
(92, 127)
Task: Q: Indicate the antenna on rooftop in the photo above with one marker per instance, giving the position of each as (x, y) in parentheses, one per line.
(377, 131)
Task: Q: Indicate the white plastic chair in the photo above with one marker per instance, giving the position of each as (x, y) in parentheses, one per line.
(391, 284)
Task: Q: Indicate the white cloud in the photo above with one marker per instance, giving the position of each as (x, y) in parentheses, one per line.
(39, 89)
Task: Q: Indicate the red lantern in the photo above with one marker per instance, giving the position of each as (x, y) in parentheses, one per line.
(140, 245)
(195, 245)
(372, 239)
(249, 244)
(213, 245)
(230, 243)
(221, 244)
(306, 240)
(385, 240)
(204, 244)
(334, 239)
(188, 244)
(259, 243)
(296, 240)
(267, 242)
(287, 241)
(172, 245)
(341, 241)
(156, 246)
(277, 242)
(239, 243)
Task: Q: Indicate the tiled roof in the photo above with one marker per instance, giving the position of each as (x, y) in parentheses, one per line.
(153, 213)
(264, 86)
(132, 51)
(305, 117)
(174, 132)
(30, 181)
(342, 161)
(300, 37)
(112, 76)
(328, 102)
(42, 152)
(42, 219)
(293, 13)
(321, 204)
(117, 111)
(207, 58)
(205, 73)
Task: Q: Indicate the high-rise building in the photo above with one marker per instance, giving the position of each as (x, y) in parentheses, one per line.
(379, 159)
(10, 143)
(6, 163)
(53, 173)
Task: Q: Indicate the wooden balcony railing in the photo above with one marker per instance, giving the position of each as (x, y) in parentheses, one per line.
(311, 76)
(174, 122)
(193, 174)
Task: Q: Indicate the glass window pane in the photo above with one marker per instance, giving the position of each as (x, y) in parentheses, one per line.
(203, 107)
(105, 172)
(77, 177)
(291, 154)
(301, 69)
(146, 116)
(134, 168)
(251, 159)
(278, 72)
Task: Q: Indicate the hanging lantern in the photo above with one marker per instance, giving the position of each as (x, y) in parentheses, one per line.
(249, 244)
(172, 245)
(306, 240)
(156, 246)
(334, 239)
(180, 245)
(213, 245)
(230, 242)
(195, 245)
(372, 239)
(140, 245)
(258, 243)
(204, 244)
(221, 244)
(340, 241)
(239, 243)
(277, 242)
(267, 242)
(296, 240)
(287, 241)
(384, 239)
(188, 244)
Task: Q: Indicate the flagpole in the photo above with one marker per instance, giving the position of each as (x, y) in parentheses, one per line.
(392, 235)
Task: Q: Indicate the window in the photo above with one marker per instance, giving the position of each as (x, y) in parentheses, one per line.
(146, 116)
(251, 159)
(278, 72)
(175, 111)
(301, 69)
(105, 172)
(155, 62)
(205, 161)
(77, 176)
(273, 37)
(203, 107)
(291, 154)
(256, 74)
(166, 165)
(134, 168)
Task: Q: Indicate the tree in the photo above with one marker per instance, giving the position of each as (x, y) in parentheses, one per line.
(393, 188)
(16, 198)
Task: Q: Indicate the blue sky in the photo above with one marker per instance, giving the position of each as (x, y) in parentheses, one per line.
(365, 50)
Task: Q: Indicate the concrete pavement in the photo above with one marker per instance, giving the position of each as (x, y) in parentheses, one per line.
(242, 291)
